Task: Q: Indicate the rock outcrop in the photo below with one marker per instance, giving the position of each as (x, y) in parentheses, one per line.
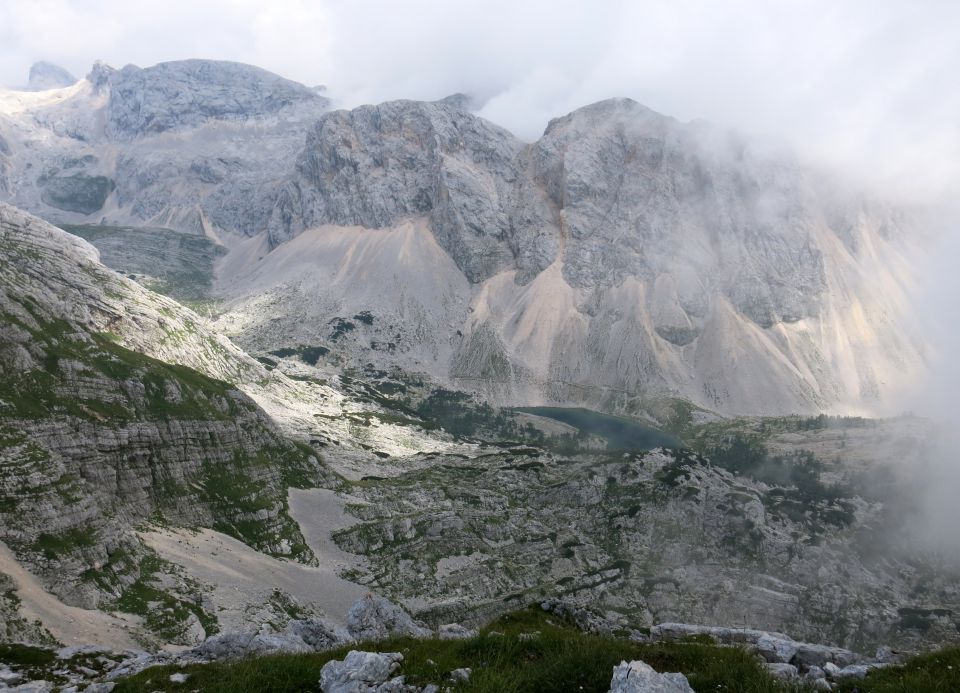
(376, 618)
(98, 438)
(363, 672)
(664, 534)
(716, 270)
(640, 677)
(775, 648)
(44, 75)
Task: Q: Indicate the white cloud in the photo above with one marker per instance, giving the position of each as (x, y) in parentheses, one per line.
(865, 85)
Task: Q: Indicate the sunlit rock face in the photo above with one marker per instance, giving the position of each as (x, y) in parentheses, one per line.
(626, 254)
(193, 145)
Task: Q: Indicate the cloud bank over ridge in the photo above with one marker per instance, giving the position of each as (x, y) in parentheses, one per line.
(866, 87)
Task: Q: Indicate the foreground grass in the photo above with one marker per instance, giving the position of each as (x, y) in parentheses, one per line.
(937, 672)
(558, 659)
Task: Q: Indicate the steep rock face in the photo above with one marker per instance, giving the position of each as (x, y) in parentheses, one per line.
(378, 165)
(644, 196)
(193, 145)
(98, 438)
(622, 258)
(188, 93)
(44, 75)
(625, 255)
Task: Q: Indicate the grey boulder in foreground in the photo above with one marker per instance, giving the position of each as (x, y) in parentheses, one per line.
(640, 677)
(359, 672)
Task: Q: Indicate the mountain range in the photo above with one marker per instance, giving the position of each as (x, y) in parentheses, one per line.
(259, 356)
(621, 260)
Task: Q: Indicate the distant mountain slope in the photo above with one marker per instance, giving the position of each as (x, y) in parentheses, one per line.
(44, 75)
(621, 259)
(97, 438)
(156, 146)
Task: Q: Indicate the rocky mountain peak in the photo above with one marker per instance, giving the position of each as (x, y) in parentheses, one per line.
(459, 100)
(44, 75)
(719, 264)
(614, 110)
(188, 93)
(100, 74)
(377, 165)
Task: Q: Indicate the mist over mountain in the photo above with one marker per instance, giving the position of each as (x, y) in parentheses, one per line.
(44, 75)
(719, 271)
(261, 356)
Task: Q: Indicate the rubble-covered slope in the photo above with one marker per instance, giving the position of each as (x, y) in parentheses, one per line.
(622, 256)
(98, 436)
(654, 537)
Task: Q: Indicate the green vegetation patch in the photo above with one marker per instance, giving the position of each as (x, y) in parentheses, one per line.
(799, 491)
(169, 262)
(27, 656)
(239, 500)
(170, 390)
(77, 193)
(165, 614)
(527, 651)
(308, 354)
(937, 672)
(54, 545)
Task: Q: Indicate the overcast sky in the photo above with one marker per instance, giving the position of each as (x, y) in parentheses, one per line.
(865, 84)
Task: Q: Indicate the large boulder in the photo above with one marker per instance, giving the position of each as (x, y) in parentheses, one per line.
(318, 634)
(361, 672)
(238, 645)
(857, 671)
(640, 677)
(810, 655)
(776, 650)
(779, 670)
(376, 618)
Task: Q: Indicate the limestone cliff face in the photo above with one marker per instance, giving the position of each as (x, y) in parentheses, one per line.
(622, 257)
(193, 145)
(97, 438)
(378, 165)
(625, 255)
(188, 93)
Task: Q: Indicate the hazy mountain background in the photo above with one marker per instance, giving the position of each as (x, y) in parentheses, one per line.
(322, 332)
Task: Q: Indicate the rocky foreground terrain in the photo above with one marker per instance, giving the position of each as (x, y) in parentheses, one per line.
(374, 621)
(111, 454)
(276, 357)
(116, 415)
